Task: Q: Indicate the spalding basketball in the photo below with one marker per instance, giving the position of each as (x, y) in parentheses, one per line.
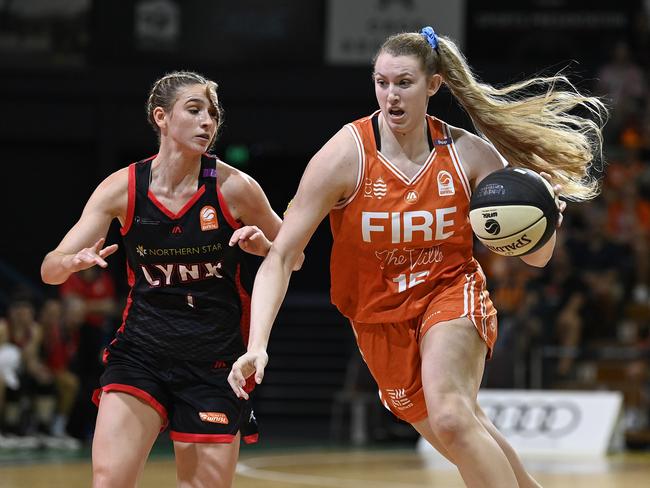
(513, 211)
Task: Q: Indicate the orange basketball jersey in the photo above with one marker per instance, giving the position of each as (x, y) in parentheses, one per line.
(399, 241)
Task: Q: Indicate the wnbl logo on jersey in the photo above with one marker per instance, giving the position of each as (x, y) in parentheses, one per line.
(208, 218)
(445, 184)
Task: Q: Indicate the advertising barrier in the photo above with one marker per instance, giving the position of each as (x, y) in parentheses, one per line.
(542, 422)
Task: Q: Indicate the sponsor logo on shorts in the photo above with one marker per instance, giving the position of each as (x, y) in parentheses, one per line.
(208, 218)
(398, 398)
(492, 324)
(214, 417)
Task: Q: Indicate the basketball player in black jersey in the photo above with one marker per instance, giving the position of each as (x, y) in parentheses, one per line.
(186, 219)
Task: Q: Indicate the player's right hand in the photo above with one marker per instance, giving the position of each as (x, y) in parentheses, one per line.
(247, 364)
(561, 204)
(92, 256)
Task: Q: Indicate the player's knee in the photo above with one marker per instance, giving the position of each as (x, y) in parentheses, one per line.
(102, 477)
(451, 419)
(106, 475)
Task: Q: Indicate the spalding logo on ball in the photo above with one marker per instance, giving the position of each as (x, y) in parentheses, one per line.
(513, 211)
(492, 227)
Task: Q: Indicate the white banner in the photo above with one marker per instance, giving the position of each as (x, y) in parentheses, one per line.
(356, 29)
(557, 423)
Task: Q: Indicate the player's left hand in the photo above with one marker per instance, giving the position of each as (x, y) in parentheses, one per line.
(251, 362)
(251, 239)
(561, 204)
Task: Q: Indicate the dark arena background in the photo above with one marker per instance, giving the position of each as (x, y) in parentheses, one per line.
(569, 383)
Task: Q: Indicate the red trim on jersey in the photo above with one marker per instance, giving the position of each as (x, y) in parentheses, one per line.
(97, 392)
(130, 275)
(226, 211)
(130, 207)
(182, 211)
(251, 439)
(129, 299)
(125, 313)
(105, 353)
(202, 438)
(136, 392)
(245, 321)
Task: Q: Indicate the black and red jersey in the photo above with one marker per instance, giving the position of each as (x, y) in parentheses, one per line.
(187, 300)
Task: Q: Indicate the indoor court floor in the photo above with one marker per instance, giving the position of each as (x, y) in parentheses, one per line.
(309, 468)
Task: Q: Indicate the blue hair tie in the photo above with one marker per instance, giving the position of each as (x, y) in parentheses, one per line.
(431, 37)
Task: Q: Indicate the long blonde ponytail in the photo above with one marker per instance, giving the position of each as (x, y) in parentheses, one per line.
(533, 123)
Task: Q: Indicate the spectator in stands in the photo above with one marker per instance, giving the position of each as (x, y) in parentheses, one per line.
(508, 287)
(628, 224)
(95, 288)
(61, 339)
(622, 81)
(558, 298)
(10, 363)
(34, 377)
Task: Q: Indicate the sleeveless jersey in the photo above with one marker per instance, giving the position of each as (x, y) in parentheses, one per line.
(398, 240)
(187, 300)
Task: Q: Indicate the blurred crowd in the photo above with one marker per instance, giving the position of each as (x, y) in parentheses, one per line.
(50, 361)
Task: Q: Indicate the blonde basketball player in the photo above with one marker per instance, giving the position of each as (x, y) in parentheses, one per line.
(397, 185)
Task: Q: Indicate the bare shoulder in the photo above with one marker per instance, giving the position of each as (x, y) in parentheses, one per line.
(117, 181)
(240, 190)
(228, 175)
(111, 195)
(478, 156)
(340, 152)
(335, 167)
(114, 190)
(234, 182)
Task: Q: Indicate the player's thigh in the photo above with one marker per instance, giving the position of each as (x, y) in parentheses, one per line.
(125, 431)
(453, 359)
(206, 464)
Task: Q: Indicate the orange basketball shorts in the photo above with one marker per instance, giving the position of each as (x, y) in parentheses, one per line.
(392, 350)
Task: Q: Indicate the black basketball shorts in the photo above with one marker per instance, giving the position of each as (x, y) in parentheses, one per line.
(193, 399)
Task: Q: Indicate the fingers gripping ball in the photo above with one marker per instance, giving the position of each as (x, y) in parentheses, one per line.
(513, 211)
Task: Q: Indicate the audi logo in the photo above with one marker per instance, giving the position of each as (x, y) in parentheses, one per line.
(532, 419)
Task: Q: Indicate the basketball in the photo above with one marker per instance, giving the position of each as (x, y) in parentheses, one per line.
(513, 211)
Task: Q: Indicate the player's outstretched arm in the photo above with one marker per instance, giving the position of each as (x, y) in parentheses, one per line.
(83, 245)
(329, 178)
